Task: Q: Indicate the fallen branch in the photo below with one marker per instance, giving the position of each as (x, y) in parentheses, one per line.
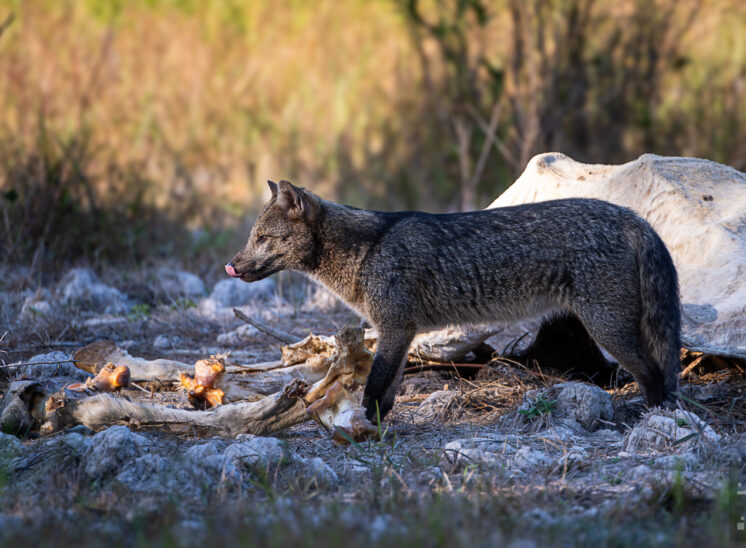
(278, 334)
(30, 406)
(24, 364)
(265, 416)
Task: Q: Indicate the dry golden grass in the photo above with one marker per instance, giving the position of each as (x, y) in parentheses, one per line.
(186, 107)
(205, 95)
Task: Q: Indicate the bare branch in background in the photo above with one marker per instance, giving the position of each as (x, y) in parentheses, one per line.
(6, 23)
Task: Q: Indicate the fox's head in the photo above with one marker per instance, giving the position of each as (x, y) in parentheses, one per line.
(282, 237)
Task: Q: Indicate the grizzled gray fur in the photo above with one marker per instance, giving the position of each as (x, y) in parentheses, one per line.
(409, 271)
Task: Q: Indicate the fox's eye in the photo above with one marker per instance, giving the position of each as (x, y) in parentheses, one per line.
(262, 239)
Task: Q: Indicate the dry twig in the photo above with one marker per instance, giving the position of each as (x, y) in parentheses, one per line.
(278, 334)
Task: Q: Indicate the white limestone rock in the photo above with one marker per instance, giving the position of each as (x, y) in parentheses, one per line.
(81, 288)
(110, 449)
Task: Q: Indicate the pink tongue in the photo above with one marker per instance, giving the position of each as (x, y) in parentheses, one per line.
(231, 271)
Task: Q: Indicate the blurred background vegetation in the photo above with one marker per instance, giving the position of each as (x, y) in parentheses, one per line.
(140, 129)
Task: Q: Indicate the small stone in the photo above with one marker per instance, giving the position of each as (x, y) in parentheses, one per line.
(37, 305)
(166, 342)
(562, 430)
(661, 430)
(530, 460)
(640, 473)
(180, 284)
(257, 453)
(15, 417)
(380, 526)
(242, 335)
(318, 469)
(10, 448)
(80, 287)
(540, 517)
(45, 366)
(489, 452)
(430, 476)
(235, 292)
(357, 467)
(110, 448)
(208, 454)
(575, 459)
(71, 442)
(151, 473)
(434, 406)
(585, 403)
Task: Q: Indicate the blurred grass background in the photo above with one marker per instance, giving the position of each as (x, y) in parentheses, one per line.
(139, 130)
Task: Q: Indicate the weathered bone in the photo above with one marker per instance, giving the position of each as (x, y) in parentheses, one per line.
(313, 346)
(256, 379)
(343, 358)
(334, 403)
(93, 357)
(349, 364)
(309, 360)
(47, 409)
(340, 412)
(205, 389)
(111, 378)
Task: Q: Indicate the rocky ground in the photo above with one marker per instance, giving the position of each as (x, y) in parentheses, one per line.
(507, 454)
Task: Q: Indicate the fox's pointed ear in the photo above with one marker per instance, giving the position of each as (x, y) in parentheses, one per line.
(289, 198)
(296, 202)
(273, 188)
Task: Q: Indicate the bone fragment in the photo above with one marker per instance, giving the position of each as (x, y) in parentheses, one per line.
(341, 413)
(337, 373)
(205, 390)
(111, 378)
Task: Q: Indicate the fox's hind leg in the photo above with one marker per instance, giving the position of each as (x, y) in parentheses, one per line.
(648, 377)
(620, 335)
(385, 374)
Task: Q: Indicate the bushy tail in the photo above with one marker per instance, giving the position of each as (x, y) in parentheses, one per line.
(660, 323)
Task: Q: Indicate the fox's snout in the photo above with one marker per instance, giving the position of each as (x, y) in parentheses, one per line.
(245, 269)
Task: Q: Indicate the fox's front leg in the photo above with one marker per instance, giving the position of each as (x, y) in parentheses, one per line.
(385, 374)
